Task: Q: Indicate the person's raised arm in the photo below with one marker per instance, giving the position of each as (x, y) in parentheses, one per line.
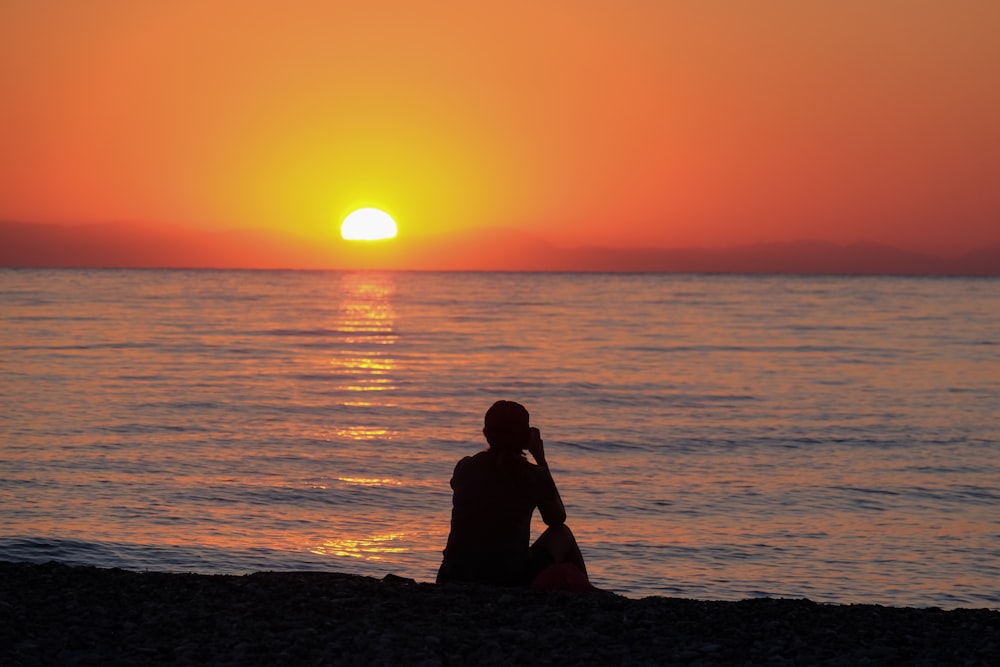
(553, 511)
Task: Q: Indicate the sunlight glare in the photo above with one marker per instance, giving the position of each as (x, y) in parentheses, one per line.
(368, 224)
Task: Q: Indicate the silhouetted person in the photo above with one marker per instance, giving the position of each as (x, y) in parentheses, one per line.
(495, 494)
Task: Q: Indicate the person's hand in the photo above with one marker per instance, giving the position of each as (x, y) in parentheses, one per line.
(535, 445)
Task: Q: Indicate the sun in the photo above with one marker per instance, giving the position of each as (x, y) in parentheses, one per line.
(368, 224)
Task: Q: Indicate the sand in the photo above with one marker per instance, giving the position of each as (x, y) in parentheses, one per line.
(55, 614)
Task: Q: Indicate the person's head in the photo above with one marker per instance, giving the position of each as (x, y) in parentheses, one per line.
(506, 426)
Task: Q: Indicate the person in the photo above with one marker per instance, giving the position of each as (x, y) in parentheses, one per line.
(495, 494)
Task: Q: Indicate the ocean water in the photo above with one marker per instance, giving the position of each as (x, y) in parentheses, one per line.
(714, 437)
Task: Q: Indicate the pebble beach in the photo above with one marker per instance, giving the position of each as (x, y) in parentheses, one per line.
(56, 614)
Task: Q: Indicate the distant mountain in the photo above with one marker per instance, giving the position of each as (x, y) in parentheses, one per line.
(126, 245)
(982, 261)
(511, 250)
(798, 257)
(131, 245)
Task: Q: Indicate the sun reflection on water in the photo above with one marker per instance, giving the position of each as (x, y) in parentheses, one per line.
(362, 432)
(364, 362)
(369, 481)
(367, 548)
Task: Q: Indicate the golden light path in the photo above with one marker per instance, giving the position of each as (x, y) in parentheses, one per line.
(368, 224)
(369, 548)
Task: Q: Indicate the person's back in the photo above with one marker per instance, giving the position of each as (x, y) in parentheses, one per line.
(495, 495)
(491, 519)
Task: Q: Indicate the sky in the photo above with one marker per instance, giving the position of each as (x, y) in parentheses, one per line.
(605, 123)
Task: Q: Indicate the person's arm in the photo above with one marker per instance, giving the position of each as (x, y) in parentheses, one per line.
(552, 509)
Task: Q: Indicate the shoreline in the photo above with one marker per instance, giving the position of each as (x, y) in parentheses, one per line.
(60, 614)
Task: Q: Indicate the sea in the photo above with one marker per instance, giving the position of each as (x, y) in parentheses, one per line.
(716, 437)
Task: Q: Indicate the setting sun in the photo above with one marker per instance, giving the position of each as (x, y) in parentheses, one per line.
(368, 224)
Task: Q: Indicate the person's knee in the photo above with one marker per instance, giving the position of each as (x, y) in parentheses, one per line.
(557, 534)
(561, 532)
(559, 542)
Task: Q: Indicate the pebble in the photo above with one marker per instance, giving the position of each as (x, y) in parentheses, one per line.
(53, 613)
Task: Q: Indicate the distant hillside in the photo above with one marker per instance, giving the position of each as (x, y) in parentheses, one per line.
(123, 245)
(799, 257)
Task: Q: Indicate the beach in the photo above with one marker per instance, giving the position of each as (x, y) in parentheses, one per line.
(57, 614)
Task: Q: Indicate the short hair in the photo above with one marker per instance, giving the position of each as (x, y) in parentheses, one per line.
(506, 423)
(507, 416)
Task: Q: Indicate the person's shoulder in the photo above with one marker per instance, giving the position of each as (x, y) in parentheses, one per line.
(471, 461)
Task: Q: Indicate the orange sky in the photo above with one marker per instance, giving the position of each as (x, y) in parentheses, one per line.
(586, 122)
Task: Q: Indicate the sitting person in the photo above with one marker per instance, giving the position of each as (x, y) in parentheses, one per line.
(495, 493)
